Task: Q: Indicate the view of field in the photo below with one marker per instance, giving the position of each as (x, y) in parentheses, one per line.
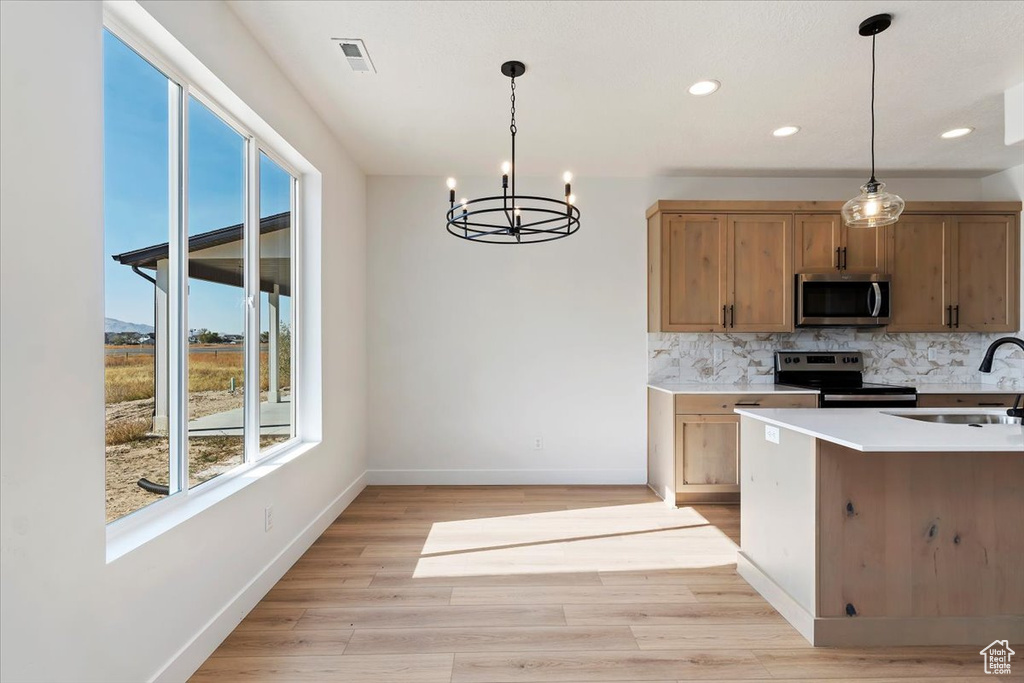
(133, 451)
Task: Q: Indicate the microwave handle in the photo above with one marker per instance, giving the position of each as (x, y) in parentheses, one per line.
(875, 307)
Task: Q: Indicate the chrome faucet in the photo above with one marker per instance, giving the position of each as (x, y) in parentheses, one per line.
(986, 366)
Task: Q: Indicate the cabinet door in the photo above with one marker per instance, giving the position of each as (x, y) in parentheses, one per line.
(863, 250)
(693, 272)
(984, 288)
(818, 238)
(707, 450)
(920, 257)
(760, 272)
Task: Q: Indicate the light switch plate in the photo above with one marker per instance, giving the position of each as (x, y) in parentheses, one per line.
(771, 433)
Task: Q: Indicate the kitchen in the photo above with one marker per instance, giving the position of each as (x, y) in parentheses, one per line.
(711, 428)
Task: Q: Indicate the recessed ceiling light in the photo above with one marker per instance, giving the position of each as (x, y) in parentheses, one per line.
(704, 87)
(786, 131)
(956, 133)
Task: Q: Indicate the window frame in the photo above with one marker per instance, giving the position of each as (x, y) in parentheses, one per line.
(130, 530)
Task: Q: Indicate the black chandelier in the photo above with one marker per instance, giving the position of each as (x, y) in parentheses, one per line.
(511, 218)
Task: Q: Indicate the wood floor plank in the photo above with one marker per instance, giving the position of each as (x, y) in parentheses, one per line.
(357, 597)
(432, 668)
(503, 639)
(266, 618)
(284, 643)
(563, 667)
(407, 579)
(726, 593)
(717, 576)
(568, 595)
(301, 580)
(659, 613)
(830, 663)
(436, 617)
(718, 636)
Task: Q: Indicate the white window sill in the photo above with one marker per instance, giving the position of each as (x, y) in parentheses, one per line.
(135, 530)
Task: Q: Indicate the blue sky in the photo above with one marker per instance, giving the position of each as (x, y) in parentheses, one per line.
(135, 178)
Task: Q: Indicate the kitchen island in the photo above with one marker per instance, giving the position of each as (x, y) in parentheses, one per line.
(867, 527)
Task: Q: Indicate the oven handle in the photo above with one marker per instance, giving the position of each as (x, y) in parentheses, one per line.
(875, 307)
(865, 398)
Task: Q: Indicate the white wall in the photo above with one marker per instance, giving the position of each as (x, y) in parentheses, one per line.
(477, 349)
(66, 613)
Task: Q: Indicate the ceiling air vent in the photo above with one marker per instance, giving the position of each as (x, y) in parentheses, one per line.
(355, 54)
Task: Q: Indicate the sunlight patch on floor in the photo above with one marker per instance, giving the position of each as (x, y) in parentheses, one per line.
(643, 537)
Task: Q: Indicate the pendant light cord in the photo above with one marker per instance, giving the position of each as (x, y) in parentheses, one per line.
(873, 181)
(512, 130)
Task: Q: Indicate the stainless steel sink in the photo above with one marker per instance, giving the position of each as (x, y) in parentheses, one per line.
(964, 419)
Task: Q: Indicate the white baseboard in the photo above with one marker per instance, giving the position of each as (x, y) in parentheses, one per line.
(190, 657)
(791, 610)
(505, 477)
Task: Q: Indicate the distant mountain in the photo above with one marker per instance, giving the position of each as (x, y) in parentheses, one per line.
(120, 327)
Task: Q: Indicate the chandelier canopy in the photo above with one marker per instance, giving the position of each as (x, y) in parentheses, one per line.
(510, 218)
(873, 207)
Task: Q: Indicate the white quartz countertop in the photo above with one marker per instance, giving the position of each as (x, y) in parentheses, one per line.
(694, 388)
(962, 389)
(881, 430)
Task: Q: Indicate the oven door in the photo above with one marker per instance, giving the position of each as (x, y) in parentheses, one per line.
(828, 300)
(841, 399)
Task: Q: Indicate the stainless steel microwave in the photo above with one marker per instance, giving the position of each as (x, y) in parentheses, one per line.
(843, 300)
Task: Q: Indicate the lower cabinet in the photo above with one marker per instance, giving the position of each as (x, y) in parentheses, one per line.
(707, 454)
(693, 442)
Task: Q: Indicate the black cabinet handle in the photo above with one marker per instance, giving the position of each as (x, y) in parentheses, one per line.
(844, 258)
(839, 264)
(751, 404)
(956, 310)
(949, 313)
(723, 316)
(991, 404)
(732, 315)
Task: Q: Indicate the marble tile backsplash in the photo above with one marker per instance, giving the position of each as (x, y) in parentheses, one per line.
(890, 358)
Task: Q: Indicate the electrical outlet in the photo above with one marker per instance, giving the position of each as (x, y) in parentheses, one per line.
(932, 354)
(718, 355)
(268, 518)
(538, 443)
(771, 433)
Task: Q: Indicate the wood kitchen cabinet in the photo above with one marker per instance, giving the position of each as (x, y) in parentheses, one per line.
(954, 273)
(965, 400)
(720, 272)
(729, 266)
(824, 244)
(693, 443)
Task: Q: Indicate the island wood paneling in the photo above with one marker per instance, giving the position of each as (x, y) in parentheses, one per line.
(920, 535)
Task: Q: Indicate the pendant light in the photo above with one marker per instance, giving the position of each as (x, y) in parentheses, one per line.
(511, 218)
(873, 207)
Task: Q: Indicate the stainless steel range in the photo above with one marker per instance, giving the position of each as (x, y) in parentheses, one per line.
(839, 377)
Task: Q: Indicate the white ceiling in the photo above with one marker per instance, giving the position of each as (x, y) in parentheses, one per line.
(605, 88)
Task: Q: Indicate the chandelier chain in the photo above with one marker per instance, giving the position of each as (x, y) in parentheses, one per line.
(512, 127)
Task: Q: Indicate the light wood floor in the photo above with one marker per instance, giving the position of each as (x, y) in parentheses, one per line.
(505, 584)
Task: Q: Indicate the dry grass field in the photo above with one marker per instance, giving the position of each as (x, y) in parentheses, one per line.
(133, 451)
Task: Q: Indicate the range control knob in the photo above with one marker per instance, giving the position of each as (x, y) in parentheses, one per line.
(788, 361)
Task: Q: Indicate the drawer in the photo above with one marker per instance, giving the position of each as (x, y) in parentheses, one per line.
(711, 404)
(963, 400)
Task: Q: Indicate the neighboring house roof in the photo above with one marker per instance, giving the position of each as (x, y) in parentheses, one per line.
(227, 271)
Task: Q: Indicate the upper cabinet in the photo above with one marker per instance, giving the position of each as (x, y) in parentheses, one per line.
(720, 266)
(954, 273)
(759, 270)
(824, 244)
(920, 253)
(985, 285)
(720, 272)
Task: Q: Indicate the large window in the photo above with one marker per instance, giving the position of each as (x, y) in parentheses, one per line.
(200, 288)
